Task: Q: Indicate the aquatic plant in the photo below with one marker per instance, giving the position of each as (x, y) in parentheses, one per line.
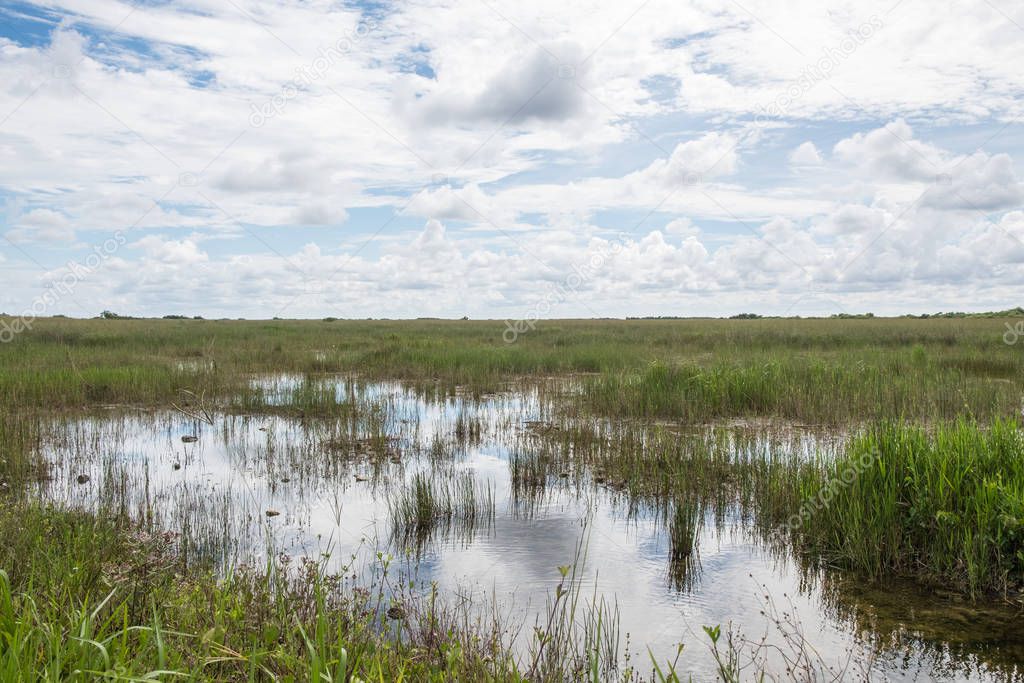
(945, 505)
(440, 501)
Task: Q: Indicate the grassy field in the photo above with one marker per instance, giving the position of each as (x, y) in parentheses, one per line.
(937, 493)
(817, 370)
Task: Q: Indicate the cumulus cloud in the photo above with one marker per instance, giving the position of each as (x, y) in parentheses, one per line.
(892, 153)
(805, 155)
(437, 272)
(710, 156)
(540, 85)
(467, 203)
(172, 252)
(299, 171)
(978, 182)
(41, 225)
(853, 219)
(432, 239)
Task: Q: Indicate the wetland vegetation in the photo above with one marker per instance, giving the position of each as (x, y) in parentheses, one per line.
(419, 500)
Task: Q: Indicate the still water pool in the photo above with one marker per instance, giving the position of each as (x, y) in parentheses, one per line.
(278, 483)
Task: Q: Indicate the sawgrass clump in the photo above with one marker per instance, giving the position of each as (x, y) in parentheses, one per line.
(944, 506)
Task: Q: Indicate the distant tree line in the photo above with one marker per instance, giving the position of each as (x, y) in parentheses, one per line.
(1010, 312)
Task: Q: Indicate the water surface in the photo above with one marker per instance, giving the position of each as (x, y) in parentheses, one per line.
(329, 486)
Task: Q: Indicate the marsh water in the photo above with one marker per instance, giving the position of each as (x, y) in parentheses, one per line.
(278, 482)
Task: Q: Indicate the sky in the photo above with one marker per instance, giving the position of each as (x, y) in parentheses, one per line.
(510, 160)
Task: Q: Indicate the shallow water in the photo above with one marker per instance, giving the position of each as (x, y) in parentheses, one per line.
(331, 482)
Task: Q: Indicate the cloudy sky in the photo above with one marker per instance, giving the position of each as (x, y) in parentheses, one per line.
(499, 159)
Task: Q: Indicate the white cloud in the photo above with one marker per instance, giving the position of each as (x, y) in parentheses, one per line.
(854, 219)
(558, 125)
(696, 161)
(468, 203)
(682, 226)
(892, 153)
(541, 85)
(41, 225)
(321, 213)
(432, 239)
(979, 182)
(171, 252)
(805, 155)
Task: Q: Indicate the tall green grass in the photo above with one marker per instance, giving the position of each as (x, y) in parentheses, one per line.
(945, 507)
(798, 387)
(19, 463)
(103, 600)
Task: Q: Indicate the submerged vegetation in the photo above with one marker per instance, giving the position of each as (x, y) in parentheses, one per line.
(917, 472)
